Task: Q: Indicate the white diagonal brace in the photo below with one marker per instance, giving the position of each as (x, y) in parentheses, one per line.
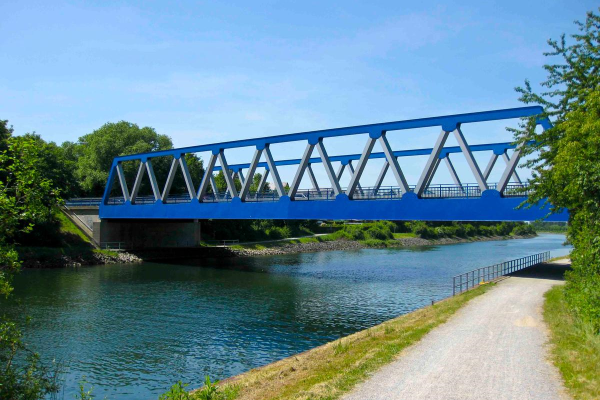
(274, 172)
(490, 166)
(170, 179)
(227, 174)
(251, 170)
(215, 188)
(432, 163)
(335, 183)
(510, 168)
(435, 167)
(460, 138)
(240, 175)
(515, 176)
(313, 180)
(386, 166)
(187, 177)
(452, 171)
(207, 178)
(263, 181)
(300, 171)
(123, 182)
(153, 183)
(351, 167)
(138, 182)
(340, 171)
(392, 161)
(360, 167)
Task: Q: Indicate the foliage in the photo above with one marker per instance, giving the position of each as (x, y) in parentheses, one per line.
(210, 391)
(565, 162)
(25, 380)
(84, 393)
(555, 227)
(436, 230)
(55, 165)
(27, 197)
(94, 154)
(575, 347)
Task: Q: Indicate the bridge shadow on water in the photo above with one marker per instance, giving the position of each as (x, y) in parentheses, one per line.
(554, 271)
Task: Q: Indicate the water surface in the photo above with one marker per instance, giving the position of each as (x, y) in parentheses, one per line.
(133, 330)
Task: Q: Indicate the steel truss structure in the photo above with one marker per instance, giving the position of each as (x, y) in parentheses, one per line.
(480, 202)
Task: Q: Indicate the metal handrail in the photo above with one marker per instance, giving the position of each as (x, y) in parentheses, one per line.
(438, 191)
(468, 280)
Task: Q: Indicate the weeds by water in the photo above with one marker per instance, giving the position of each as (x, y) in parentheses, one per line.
(340, 347)
(210, 391)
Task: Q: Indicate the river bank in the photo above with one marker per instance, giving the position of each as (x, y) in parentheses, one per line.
(315, 244)
(45, 257)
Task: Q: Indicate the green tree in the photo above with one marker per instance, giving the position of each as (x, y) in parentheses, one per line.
(56, 165)
(564, 163)
(26, 198)
(94, 154)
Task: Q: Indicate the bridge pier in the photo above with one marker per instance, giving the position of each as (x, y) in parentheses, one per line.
(148, 234)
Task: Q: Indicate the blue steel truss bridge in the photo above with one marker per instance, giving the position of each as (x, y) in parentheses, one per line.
(421, 200)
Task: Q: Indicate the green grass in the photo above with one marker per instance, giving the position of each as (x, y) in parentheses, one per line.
(71, 231)
(329, 371)
(404, 235)
(73, 242)
(575, 347)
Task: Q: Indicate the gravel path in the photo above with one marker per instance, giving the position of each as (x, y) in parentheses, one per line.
(493, 348)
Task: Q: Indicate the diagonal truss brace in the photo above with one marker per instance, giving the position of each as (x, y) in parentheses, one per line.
(178, 162)
(360, 167)
(335, 183)
(145, 166)
(351, 168)
(262, 183)
(462, 142)
(300, 171)
(452, 171)
(274, 172)
(432, 163)
(510, 168)
(492, 162)
(392, 162)
(208, 177)
(123, 182)
(228, 176)
(313, 180)
(251, 170)
(515, 176)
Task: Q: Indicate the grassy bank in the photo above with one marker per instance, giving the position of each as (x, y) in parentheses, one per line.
(575, 347)
(329, 371)
(387, 233)
(70, 244)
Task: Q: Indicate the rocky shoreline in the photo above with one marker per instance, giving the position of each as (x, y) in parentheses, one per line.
(62, 260)
(291, 248)
(166, 255)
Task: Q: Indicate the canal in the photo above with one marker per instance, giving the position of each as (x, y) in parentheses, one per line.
(133, 330)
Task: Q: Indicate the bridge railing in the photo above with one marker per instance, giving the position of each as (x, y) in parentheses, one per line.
(439, 191)
(463, 282)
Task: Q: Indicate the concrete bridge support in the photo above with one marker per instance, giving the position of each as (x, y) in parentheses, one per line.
(148, 234)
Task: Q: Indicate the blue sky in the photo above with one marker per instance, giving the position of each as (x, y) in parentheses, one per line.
(204, 72)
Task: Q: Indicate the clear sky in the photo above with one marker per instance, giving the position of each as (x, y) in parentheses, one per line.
(204, 72)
